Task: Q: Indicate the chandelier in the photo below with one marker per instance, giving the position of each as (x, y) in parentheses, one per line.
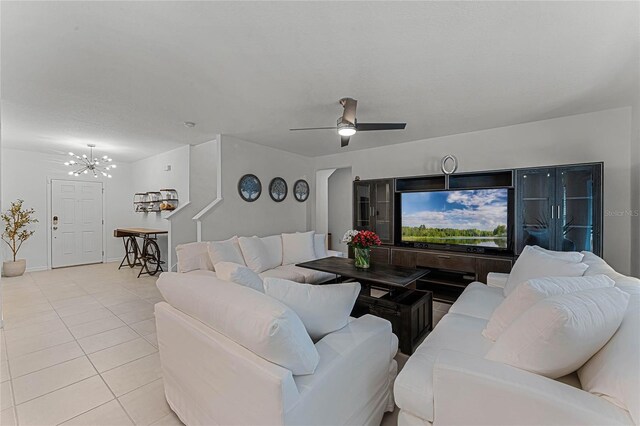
(90, 164)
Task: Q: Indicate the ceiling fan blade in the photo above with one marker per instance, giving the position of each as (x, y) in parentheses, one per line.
(363, 127)
(349, 105)
(315, 128)
(344, 141)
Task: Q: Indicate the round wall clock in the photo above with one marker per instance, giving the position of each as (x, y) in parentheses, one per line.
(301, 190)
(278, 189)
(249, 187)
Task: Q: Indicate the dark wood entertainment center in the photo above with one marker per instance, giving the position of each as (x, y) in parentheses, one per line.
(556, 207)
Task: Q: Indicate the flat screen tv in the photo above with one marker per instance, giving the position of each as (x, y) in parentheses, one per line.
(472, 218)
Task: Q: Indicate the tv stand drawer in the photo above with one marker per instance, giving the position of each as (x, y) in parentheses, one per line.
(452, 262)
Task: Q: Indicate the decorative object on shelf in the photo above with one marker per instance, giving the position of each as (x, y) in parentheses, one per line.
(249, 187)
(169, 199)
(361, 241)
(449, 164)
(278, 189)
(301, 190)
(139, 202)
(90, 164)
(153, 201)
(16, 219)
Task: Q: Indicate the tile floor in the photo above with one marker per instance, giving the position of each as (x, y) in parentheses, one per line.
(79, 348)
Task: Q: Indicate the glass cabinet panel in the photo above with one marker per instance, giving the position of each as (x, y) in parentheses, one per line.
(536, 213)
(577, 201)
(383, 210)
(362, 205)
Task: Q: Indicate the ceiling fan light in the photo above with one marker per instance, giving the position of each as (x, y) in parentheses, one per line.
(346, 130)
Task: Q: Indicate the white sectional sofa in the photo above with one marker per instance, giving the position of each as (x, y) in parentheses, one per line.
(272, 253)
(229, 356)
(447, 381)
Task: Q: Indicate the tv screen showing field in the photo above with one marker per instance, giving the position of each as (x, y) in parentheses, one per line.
(470, 217)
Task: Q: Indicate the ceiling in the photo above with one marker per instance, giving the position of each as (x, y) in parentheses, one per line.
(126, 75)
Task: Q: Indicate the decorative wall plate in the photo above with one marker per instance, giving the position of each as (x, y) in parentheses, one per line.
(249, 188)
(301, 190)
(278, 189)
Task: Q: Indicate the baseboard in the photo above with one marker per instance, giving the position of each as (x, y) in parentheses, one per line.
(113, 259)
(37, 269)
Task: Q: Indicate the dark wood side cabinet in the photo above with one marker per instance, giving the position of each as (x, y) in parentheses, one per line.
(373, 207)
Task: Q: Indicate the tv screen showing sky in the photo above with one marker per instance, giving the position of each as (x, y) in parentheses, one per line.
(469, 217)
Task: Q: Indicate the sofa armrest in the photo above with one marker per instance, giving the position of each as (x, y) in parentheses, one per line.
(498, 394)
(497, 279)
(335, 253)
(357, 357)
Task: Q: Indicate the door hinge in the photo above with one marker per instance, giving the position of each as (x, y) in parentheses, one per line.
(103, 221)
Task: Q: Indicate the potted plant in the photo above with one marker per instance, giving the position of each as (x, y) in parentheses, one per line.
(15, 221)
(361, 241)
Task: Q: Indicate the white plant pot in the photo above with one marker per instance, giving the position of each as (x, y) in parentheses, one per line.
(14, 269)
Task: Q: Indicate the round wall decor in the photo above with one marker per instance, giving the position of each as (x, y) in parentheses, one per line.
(249, 187)
(449, 164)
(301, 190)
(278, 189)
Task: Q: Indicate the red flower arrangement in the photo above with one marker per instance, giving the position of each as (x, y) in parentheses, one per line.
(365, 239)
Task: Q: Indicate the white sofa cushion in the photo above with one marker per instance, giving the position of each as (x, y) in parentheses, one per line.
(297, 247)
(239, 274)
(274, 332)
(530, 292)
(310, 276)
(284, 273)
(320, 246)
(193, 257)
(256, 254)
(478, 300)
(226, 251)
(322, 308)
(533, 263)
(274, 249)
(614, 372)
(567, 256)
(413, 388)
(557, 335)
(598, 266)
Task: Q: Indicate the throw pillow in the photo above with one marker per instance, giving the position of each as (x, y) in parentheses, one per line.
(319, 246)
(323, 309)
(274, 248)
(567, 256)
(298, 247)
(533, 263)
(557, 335)
(226, 251)
(255, 253)
(530, 292)
(239, 274)
(193, 257)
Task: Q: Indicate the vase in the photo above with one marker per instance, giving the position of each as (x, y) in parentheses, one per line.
(362, 257)
(14, 269)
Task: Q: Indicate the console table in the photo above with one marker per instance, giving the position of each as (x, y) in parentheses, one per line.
(147, 255)
(388, 291)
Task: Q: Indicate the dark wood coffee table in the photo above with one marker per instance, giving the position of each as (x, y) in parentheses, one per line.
(409, 310)
(387, 276)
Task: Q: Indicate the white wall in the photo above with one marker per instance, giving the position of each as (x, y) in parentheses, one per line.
(599, 136)
(25, 175)
(340, 206)
(321, 206)
(150, 174)
(233, 216)
(635, 190)
(202, 190)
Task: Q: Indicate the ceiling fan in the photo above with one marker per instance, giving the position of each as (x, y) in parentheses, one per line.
(348, 125)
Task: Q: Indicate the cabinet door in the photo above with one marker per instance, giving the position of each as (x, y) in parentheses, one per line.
(383, 217)
(578, 207)
(536, 218)
(362, 207)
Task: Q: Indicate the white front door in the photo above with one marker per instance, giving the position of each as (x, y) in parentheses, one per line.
(76, 223)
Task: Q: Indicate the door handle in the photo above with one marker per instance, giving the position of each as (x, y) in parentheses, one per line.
(552, 209)
(558, 211)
